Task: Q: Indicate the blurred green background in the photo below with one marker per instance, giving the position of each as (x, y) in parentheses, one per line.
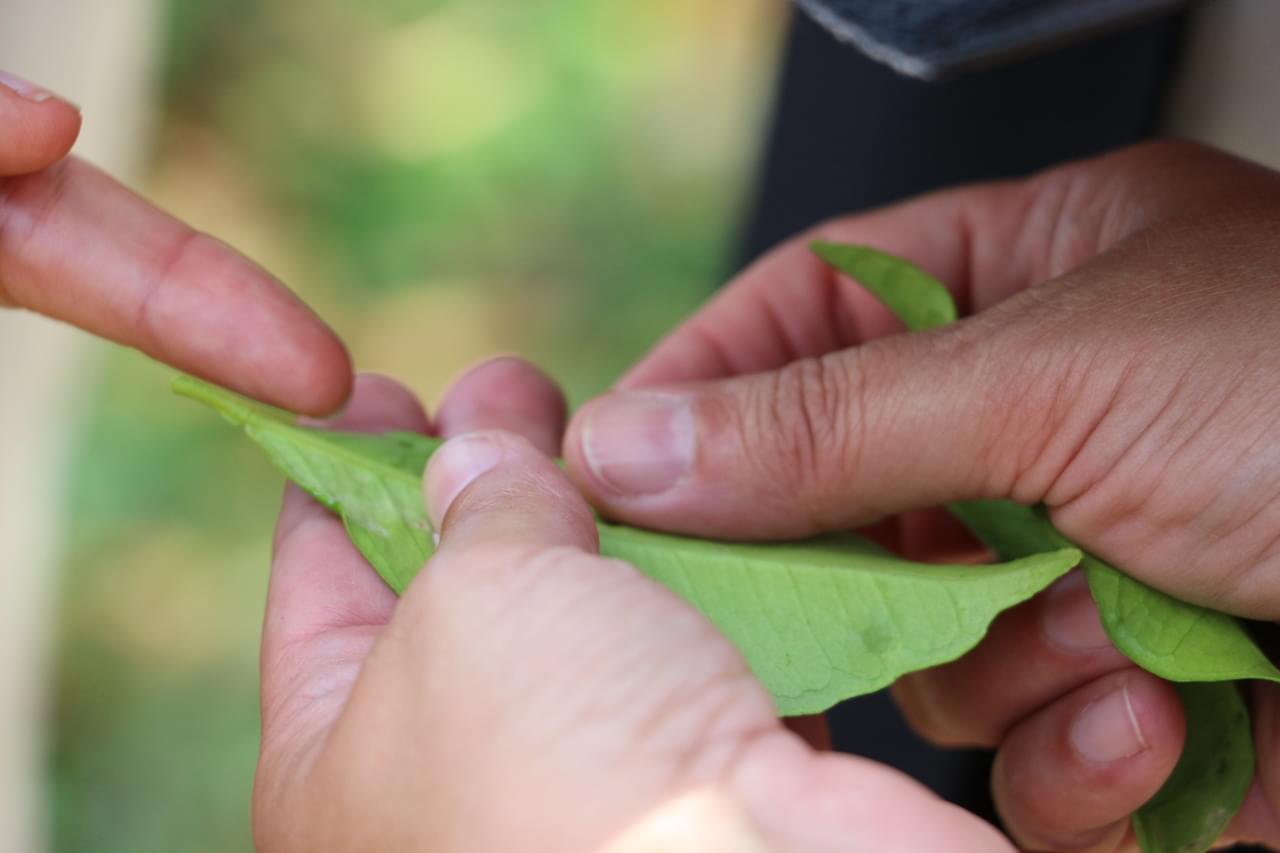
(442, 179)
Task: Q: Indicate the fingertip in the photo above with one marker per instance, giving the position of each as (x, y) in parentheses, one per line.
(508, 393)
(581, 469)
(575, 462)
(496, 486)
(314, 374)
(37, 128)
(378, 403)
(60, 124)
(460, 462)
(327, 377)
(195, 302)
(668, 458)
(633, 448)
(1132, 715)
(1069, 776)
(697, 459)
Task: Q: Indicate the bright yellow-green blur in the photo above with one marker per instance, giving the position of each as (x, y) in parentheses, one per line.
(442, 179)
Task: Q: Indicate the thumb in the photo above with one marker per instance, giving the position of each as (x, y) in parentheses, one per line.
(902, 423)
(37, 128)
(494, 488)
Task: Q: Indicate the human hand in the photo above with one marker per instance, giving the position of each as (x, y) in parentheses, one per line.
(525, 693)
(1120, 366)
(79, 247)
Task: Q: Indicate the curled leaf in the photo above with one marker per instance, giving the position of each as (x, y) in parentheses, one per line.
(818, 622)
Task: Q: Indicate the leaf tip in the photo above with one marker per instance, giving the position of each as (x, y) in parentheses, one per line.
(827, 250)
(239, 410)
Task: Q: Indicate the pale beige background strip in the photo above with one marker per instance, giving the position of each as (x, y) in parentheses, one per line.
(99, 54)
(1228, 90)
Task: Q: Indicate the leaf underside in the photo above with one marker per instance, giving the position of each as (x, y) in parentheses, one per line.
(823, 620)
(818, 621)
(915, 297)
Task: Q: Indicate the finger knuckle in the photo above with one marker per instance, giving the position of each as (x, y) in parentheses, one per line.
(28, 205)
(1033, 400)
(805, 415)
(183, 253)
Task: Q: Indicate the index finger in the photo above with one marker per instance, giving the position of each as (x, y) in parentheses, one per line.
(495, 488)
(790, 305)
(77, 246)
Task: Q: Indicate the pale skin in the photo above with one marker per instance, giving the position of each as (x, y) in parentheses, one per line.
(525, 693)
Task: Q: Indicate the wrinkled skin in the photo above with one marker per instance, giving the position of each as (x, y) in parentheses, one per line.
(1120, 364)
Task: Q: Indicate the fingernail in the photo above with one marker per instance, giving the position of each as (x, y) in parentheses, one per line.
(639, 444)
(1070, 618)
(26, 88)
(1107, 729)
(454, 467)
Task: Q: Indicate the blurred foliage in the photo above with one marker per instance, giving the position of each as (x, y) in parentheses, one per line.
(442, 179)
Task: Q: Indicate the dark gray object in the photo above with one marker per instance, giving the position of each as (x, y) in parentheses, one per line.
(932, 38)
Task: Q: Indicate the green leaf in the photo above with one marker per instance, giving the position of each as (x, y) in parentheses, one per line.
(1179, 642)
(360, 477)
(818, 622)
(914, 296)
(1005, 527)
(1173, 639)
(824, 620)
(1211, 779)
